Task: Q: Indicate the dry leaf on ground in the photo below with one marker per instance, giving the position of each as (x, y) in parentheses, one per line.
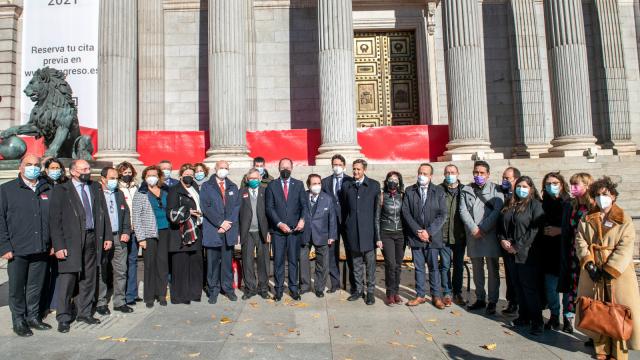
(491, 346)
(103, 338)
(194, 355)
(122, 339)
(225, 320)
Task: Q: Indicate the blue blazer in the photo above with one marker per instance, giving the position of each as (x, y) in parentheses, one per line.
(288, 211)
(430, 217)
(215, 211)
(323, 224)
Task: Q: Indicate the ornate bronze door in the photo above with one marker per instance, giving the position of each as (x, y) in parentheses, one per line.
(386, 81)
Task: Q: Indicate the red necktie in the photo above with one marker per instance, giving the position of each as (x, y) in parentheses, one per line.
(222, 191)
(286, 190)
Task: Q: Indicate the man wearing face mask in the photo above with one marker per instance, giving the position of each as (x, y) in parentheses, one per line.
(509, 177)
(112, 264)
(259, 164)
(166, 167)
(424, 210)
(79, 224)
(320, 232)
(287, 209)
(480, 209)
(220, 204)
(25, 244)
(332, 185)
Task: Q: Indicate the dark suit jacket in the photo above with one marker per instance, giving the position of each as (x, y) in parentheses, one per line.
(179, 197)
(327, 187)
(288, 211)
(67, 223)
(359, 206)
(246, 214)
(323, 222)
(216, 211)
(431, 217)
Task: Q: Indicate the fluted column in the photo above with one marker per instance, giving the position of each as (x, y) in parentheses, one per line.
(252, 97)
(228, 82)
(612, 92)
(526, 71)
(571, 100)
(151, 64)
(466, 87)
(337, 79)
(117, 82)
(9, 48)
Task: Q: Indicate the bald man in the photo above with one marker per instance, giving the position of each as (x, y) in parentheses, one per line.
(80, 230)
(24, 242)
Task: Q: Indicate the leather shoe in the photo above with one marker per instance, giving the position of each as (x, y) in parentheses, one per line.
(477, 305)
(332, 290)
(370, 300)
(232, 296)
(162, 302)
(417, 301)
(131, 303)
(510, 309)
(103, 310)
(265, 295)
(277, 298)
(88, 320)
(355, 296)
(38, 325)
(213, 299)
(437, 302)
(295, 296)
(123, 309)
(459, 300)
(64, 327)
(247, 295)
(149, 305)
(22, 330)
(319, 294)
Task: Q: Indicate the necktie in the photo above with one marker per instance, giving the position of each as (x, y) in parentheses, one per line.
(86, 204)
(338, 186)
(285, 188)
(222, 191)
(314, 201)
(423, 195)
(253, 194)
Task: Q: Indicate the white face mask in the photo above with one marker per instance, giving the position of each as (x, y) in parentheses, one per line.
(338, 170)
(152, 180)
(166, 173)
(315, 189)
(423, 180)
(604, 201)
(222, 173)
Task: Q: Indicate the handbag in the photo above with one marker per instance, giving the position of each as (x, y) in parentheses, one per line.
(606, 318)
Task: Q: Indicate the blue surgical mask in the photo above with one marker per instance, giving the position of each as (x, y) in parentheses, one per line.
(166, 173)
(55, 174)
(522, 192)
(32, 172)
(200, 176)
(260, 170)
(552, 189)
(450, 179)
(112, 184)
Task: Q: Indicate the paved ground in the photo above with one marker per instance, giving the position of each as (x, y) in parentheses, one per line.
(328, 328)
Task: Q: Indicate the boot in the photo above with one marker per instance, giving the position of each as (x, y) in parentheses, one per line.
(566, 325)
(553, 323)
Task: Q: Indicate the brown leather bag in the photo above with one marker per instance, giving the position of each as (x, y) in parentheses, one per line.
(606, 318)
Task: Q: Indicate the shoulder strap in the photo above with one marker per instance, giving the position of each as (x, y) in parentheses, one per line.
(481, 197)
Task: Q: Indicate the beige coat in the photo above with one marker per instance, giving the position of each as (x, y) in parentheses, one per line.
(616, 239)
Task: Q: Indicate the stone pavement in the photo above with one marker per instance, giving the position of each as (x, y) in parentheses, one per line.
(328, 328)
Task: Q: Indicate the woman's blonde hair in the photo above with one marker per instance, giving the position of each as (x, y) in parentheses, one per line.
(586, 179)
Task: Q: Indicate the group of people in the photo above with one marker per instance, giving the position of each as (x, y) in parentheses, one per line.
(72, 243)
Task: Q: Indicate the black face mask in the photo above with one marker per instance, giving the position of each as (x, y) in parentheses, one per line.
(127, 178)
(187, 180)
(285, 173)
(392, 185)
(85, 178)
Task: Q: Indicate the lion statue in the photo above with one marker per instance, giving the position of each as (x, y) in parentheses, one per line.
(54, 117)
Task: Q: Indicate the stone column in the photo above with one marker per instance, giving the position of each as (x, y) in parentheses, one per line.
(228, 82)
(531, 126)
(151, 64)
(612, 92)
(337, 81)
(569, 78)
(466, 87)
(252, 96)
(117, 82)
(9, 77)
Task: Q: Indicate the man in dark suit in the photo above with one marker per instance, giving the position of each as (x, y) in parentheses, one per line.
(360, 202)
(220, 204)
(424, 210)
(167, 170)
(287, 210)
(320, 232)
(112, 264)
(79, 224)
(254, 237)
(332, 185)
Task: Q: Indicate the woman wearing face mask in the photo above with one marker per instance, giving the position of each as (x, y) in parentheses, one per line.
(55, 171)
(390, 233)
(519, 228)
(201, 173)
(554, 196)
(574, 211)
(185, 242)
(604, 244)
(152, 231)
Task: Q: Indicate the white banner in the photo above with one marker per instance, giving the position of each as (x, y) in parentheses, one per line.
(63, 34)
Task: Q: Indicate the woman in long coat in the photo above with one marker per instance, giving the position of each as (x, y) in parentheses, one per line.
(604, 245)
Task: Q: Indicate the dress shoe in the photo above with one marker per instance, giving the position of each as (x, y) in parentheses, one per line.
(567, 327)
(265, 295)
(295, 296)
(391, 300)
(491, 309)
(437, 302)
(137, 299)
(131, 303)
(319, 294)
(22, 329)
(88, 320)
(510, 309)
(232, 296)
(247, 295)
(447, 301)
(519, 322)
(123, 309)
(103, 310)
(355, 296)
(536, 329)
(64, 327)
(277, 298)
(333, 289)
(459, 300)
(553, 323)
(398, 299)
(38, 324)
(479, 304)
(149, 305)
(370, 300)
(162, 302)
(417, 301)
(213, 299)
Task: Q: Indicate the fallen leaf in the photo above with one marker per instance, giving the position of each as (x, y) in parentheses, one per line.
(491, 346)
(360, 341)
(300, 305)
(157, 326)
(279, 347)
(248, 335)
(316, 316)
(225, 320)
(457, 332)
(213, 316)
(456, 313)
(432, 320)
(122, 339)
(103, 338)
(336, 326)
(410, 346)
(254, 305)
(291, 330)
(394, 343)
(508, 333)
(398, 332)
(347, 335)
(428, 337)
(194, 355)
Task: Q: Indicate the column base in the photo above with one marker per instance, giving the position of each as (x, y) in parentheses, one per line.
(622, 148)
(237, 158)
(530, 151)
(350, 153)
(573, 146)
(116, 157)
(466, 150)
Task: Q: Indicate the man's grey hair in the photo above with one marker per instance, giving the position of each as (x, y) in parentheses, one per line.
(252, 170)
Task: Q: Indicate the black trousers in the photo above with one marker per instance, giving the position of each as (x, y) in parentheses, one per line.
(86, 281)
(26, 282)
(509, 270)
(156, 267)
(47, 298)
(457, 262)
(219, 270)
(186, 278)
(321, 270)
(527, 285)
(255, 256)
(285, 246)
(393, 251)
